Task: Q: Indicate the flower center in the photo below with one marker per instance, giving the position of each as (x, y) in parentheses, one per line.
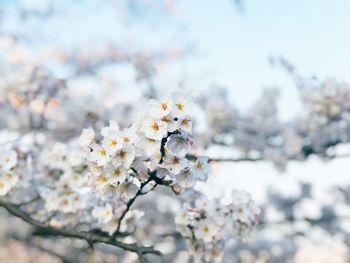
(164, 106)
(180, 106)
(116, 172)
(122, 154)
(102, 152)
(185, 122)
(155, 126)
(176, 160)
(104, 180)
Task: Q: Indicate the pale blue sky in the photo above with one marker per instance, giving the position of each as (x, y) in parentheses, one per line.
(313, 34)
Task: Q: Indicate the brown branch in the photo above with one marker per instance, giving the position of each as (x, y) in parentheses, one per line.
(152, 177)
(129, 204)
(84, 235)
(193, 157)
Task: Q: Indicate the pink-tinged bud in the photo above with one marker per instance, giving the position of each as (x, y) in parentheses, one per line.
(177, 189)
(190, 141)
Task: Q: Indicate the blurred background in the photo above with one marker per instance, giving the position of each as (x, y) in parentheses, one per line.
(269, 78)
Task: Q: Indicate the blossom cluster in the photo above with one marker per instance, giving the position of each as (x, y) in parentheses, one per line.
(152, 150)
(92, 180)
(209, 224)
(8, 175)
(64, 178)
(324, 122)
(326, 118)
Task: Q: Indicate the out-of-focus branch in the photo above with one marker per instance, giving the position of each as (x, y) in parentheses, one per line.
(248, 159)
(319, 221)
(89, 237)
(193, 157)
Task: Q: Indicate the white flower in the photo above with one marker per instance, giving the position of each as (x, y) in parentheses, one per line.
(56, 157)
(185, 124)
(186, 178)
(140, 167)
(75, 157)
(182, 104)
(254, 211)
(160, 108)
(128, 136)
(183, 218)
(112, 142)
(72, 180)
(241, 213)
(206, 230)
(8, 159)
(204, 203)
(102, 184)
(124, 157)
(148, 146)
(154, 128)
(174, 164)
(112, 128)
(172, 123)
(177, 144)
(78, 202)
(51, 202)
(66, 204)
(116, 175)
(87, 137)
(202, 168)
(99, 155)
(128, 189)
(103, 214)
(7, 181)
(214, 254)
(240, 197)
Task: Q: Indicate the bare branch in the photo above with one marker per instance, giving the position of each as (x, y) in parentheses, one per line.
(84, 235)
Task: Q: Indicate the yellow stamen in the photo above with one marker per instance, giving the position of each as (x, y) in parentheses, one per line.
(185, 122)
(116, 172)
(155, 126)
(150, 140)
(164, 106)
(180, 106)
(104, 180)
(165, 119)
(114, 142)
(186, 173)
(102, 152)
